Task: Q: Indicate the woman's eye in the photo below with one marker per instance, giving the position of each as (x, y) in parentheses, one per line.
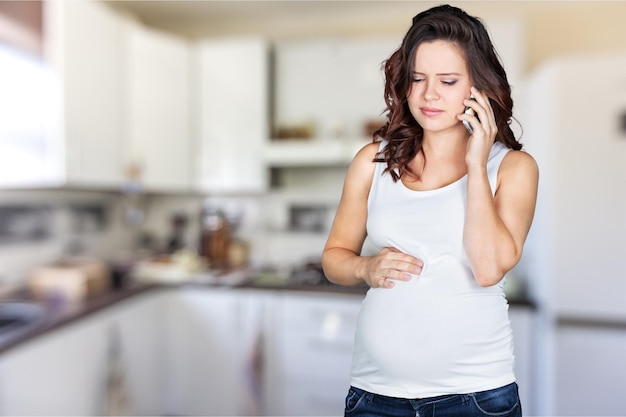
(450, 82)
(417, 80)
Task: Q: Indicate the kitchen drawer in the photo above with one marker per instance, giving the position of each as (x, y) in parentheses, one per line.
(312, 312)
(314, 334)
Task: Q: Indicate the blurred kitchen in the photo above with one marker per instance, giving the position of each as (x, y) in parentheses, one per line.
(169, 171)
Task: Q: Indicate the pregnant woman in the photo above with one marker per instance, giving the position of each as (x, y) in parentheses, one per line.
(433, 214)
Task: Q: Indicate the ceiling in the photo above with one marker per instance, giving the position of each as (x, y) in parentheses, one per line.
(201, 18)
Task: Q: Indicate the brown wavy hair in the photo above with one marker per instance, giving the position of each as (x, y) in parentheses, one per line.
(451, 24)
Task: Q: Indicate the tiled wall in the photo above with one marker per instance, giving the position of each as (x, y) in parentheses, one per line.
(275, 237)
(40, 227)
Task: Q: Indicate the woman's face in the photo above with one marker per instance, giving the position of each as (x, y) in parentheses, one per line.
(441, 81)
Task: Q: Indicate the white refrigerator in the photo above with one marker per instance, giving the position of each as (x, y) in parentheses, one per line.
(573, 112)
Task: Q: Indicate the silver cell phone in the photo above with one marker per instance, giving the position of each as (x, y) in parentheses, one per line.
(470, 111)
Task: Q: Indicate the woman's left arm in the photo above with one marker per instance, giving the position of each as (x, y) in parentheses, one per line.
(496, 227)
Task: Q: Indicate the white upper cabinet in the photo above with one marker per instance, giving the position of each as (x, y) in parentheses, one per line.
(330, 89)
(30, 109)
(334, 85)
(83, 41)
(233, 111)
(158, 117)
(110, 97)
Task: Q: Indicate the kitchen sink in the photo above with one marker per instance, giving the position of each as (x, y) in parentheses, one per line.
(19, 316)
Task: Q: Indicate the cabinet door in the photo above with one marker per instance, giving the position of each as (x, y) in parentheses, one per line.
(233, 114)
(304, 85)
(62, 373)
(28, 129)
(137, 328)
(525, 337)
(256, 344)
(158, 117)
(65, 372)
(83, 42)
(335, 84)
(204, 373)
(313, 336)
(590, 370)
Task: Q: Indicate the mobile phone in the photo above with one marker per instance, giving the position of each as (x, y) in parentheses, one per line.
(470, 111)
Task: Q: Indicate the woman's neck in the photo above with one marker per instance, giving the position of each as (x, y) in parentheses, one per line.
(448, 145)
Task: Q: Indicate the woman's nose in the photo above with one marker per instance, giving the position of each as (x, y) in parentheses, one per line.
(431, 92)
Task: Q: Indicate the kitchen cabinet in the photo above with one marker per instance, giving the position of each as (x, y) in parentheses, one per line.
(83, 45)
(137, 324)
(114, 97)
(590, 371)
(522, 319)
(30, 113)
(158, 77)
(258, 388)
(204, 376)
(62, 373)
(336, 84)
(195, 350)
(65, 371)
(310, 353)
(233, 112)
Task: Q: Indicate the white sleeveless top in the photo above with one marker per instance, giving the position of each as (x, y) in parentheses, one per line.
(439, 333)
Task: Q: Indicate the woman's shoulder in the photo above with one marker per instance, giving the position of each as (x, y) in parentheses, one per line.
(521, 158)
(365, 156)
(518, 163)
(370, 150)
(363, 166)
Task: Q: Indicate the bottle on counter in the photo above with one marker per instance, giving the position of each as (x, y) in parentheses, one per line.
(238, 252)
(176, 240)
(215, 237)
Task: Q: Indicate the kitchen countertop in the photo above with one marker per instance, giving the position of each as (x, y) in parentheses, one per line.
(57, 315)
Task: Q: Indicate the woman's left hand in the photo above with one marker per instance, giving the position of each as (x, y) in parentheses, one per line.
(485, 129)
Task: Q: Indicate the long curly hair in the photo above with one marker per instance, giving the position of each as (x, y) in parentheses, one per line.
(451, 24)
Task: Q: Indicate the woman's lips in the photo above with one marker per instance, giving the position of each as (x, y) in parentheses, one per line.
(428, 111)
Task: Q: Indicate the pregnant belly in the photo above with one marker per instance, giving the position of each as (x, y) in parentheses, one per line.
(436, 322)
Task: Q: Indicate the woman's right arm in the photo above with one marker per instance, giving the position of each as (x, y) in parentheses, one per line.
(341, 258)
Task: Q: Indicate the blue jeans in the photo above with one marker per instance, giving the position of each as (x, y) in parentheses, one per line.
(498, 402)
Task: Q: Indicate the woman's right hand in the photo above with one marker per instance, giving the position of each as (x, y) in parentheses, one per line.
(388, 265)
